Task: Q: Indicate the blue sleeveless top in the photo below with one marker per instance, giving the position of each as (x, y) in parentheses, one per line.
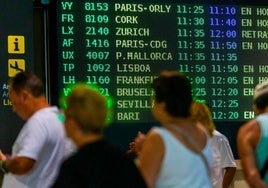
(181, 167)
(262, 147)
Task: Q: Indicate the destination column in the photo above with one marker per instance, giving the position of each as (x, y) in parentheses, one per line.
(142, 49)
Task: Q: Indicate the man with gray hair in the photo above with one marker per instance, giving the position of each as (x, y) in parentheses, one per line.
(41, 144)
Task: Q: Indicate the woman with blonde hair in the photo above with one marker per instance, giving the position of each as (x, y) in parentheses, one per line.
(224, 166)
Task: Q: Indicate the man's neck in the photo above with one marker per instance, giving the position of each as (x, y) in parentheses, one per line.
(86, 139)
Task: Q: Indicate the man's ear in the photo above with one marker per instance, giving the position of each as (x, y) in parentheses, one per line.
(73, 125)
(162, 106)
(24, 95)
(255, 109)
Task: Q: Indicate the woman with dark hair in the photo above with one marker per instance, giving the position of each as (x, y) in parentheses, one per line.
(178, 153)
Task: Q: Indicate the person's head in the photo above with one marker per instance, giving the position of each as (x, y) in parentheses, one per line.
(24, 88)
(173, 93)
(260, 97)
(200, 112)
(86, 111)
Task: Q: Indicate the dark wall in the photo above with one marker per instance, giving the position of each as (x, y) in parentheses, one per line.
(39, 11)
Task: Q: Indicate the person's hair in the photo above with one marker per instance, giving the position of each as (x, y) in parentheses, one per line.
(28, 81)
(200, 112)
(88, 108)
(262, 101)
(175, 90)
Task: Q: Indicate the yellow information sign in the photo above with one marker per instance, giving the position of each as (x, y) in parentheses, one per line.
(16, 44)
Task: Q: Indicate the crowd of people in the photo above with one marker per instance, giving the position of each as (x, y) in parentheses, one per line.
(59, 148)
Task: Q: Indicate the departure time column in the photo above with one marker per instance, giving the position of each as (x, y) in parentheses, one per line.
(97, 45)
(191, 46)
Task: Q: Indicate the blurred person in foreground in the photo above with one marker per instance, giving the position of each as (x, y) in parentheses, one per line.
(41, 144)
(252, 140)
(224, 164)
(178, 153)
(97, 163)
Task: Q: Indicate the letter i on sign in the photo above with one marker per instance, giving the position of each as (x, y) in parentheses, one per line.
(16, 44)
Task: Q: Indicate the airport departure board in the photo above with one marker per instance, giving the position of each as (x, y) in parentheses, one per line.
(122, 45)
(16, 54)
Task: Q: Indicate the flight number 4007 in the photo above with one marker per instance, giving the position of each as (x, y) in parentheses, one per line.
(97, 55)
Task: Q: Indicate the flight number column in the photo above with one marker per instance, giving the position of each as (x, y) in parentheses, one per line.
(97, 45)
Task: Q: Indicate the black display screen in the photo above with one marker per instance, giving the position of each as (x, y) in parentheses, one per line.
(120, 46)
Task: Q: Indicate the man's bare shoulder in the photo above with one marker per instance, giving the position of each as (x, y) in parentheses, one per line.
(249, 132)
(249, 126)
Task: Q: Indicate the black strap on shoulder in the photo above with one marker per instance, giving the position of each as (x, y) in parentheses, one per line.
(264, 169)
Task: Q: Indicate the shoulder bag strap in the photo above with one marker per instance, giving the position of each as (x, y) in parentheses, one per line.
(194, 145)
